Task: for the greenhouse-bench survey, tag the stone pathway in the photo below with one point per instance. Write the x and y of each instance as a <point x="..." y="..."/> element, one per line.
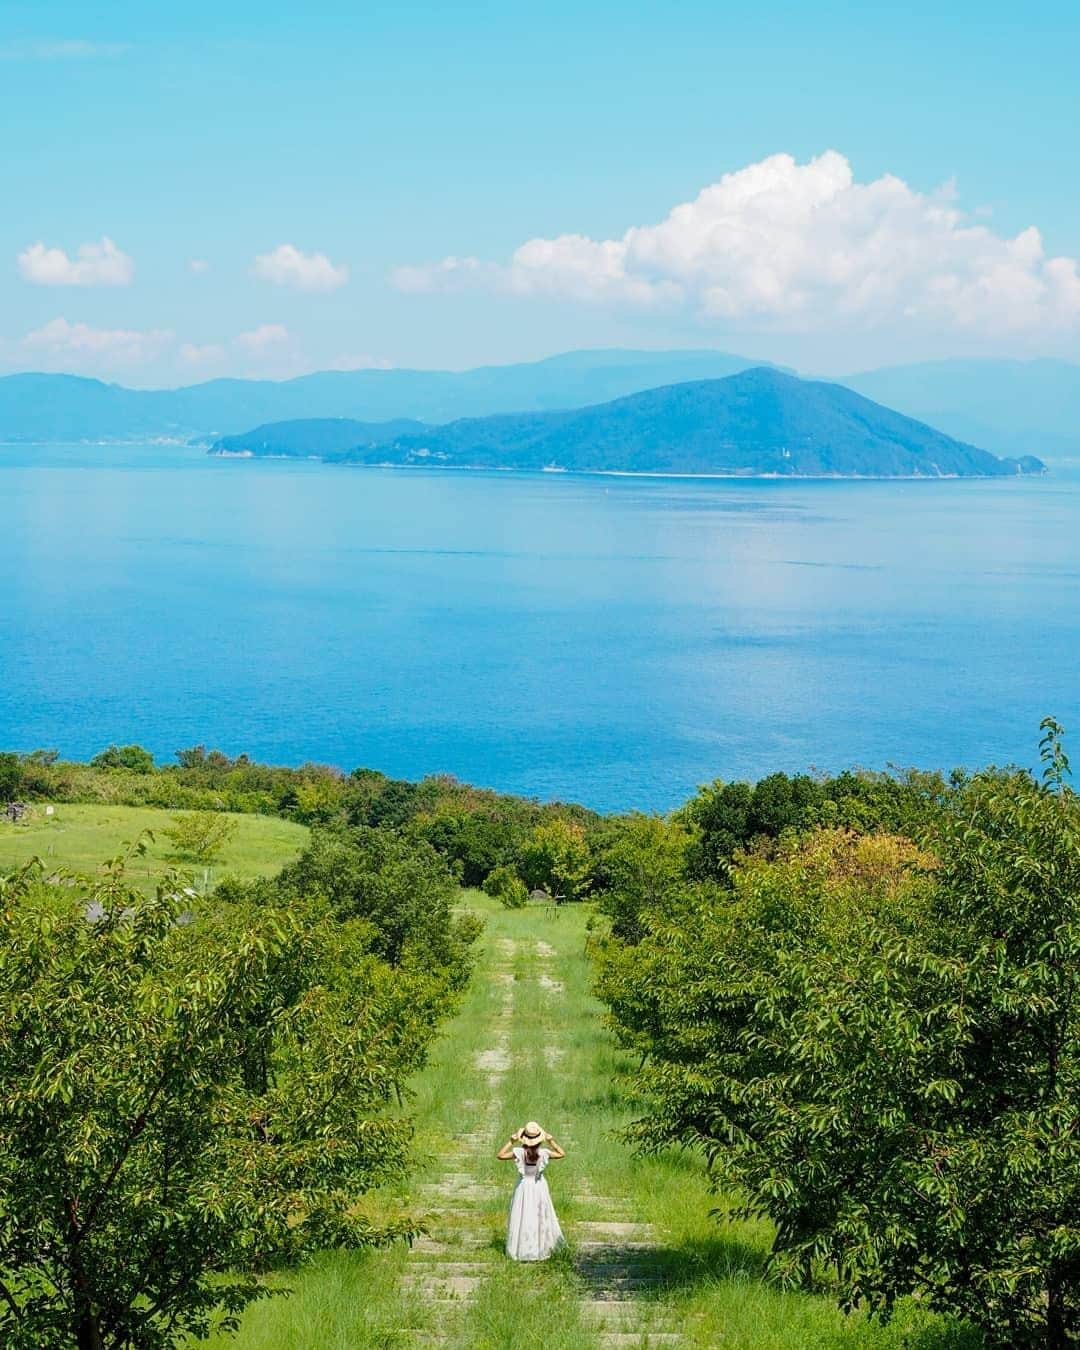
<point x="614" y="1258"/>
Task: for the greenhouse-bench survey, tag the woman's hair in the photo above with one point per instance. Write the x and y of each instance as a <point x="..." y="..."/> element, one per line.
<point x="532" y="1153"/>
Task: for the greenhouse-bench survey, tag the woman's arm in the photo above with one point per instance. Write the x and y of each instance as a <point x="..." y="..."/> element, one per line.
<point x="554" y="1149"/>
<point x="506" y="1153"/>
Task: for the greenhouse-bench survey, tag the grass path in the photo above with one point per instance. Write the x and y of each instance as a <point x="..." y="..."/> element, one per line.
<point x="646" y="1265"/>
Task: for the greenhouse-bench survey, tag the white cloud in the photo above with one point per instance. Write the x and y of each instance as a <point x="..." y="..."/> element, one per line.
<point x="784" y="247"/>
<point x="79" y="344"/>
<point x="198" y="266"/>
<point x="267" y="338"/>
<point x="100" y="264"/>
<point x="205" y="354"/>
<point x="287" y="266"/>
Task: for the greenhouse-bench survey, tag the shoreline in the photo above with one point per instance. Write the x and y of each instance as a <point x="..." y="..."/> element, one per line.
<point x="554" y="472"/>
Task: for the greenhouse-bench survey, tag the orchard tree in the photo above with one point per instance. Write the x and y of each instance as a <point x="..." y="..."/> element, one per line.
<point x="201" y="835"/>
<point x="184" y="1106"/>
<point x="555" y="857"/>
<point x="880" y="1050"/>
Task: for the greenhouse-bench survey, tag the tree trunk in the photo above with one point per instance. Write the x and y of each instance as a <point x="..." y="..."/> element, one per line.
<point x="90" y="1332"/>
<point x="88" y="1335"/>
<point x="1057" y="1337"/>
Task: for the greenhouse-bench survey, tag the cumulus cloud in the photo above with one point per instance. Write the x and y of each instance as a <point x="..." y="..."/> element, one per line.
<point x="204" y="354"/>
<point x="100" y="264"/>
<point x="268" y="337"/>
<point x="79" y="344"/>
<point x="286" y="265"/>
<point x="198" y="266"/>
<point x="782" y="246"/>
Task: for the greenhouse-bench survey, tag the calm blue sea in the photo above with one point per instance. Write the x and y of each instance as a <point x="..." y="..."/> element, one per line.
<point x="612" y="640"/>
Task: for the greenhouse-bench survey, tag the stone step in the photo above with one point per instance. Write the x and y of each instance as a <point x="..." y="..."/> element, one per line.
<point x="594" y="1250"/>
<point x="638" y="1340"/>
<point x="625" y="1315"/>
<point x="445" y="1269"/>
<point x="616" y="1290"/>
<point x="642" y="1269"/>
<point x="610" y="1230"/>
<point x="436" y="1246"/>
<point x="452" y="1288"/>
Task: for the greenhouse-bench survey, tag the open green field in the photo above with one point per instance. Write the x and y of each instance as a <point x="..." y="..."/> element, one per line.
<point x="646" y="1265"/>
<point x="82" y="837"/>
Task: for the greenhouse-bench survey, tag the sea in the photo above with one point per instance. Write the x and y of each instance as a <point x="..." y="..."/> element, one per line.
<point x="610" y="640"/>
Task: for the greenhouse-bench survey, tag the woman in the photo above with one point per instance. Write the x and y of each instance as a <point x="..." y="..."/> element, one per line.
<point x="533" y="1232"/>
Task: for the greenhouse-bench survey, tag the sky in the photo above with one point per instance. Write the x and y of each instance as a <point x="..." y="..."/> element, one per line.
<point x="263" y="189"/>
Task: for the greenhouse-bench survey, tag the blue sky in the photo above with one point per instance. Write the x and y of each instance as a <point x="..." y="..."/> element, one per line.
<point x="357" y="149"/>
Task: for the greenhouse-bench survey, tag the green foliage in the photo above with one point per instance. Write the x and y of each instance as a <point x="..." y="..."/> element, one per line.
<point x="186" y="1105"/>
<point x="201" y="835"/>
<point x="645" y="870"/>
<point x="131" y="757"/>
<point x="879" y="1049"/>
<point x="401" y="888"/>
<point x="555" y="857"/>
<point x="10" y="776"/>
<point x="728" y="817"/>
<point x="504" y="884"/>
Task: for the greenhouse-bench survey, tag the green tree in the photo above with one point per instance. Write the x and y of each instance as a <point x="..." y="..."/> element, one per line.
<point x="201" y="835"/>
<point x="11" y="775"/>
<point x="401" y="887"/>
<point x="645" y="868"/>
<point x="879" y="1049"/>
<point x="185" y="1106"/>
<point x="556" y="858"/>
<point x="131" y="757"/>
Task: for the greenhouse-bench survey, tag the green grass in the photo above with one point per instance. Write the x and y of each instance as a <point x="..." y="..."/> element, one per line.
<point x="563" y="1070"/>
<point x="81" y="838"/>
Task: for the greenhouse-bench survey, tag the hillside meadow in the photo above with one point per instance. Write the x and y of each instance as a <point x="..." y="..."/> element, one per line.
<point x="81" y="837"/>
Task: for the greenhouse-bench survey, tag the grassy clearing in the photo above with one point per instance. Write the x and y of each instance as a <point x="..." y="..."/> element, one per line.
<point x="81" y="837"/>
<point x="530" y="1043"/>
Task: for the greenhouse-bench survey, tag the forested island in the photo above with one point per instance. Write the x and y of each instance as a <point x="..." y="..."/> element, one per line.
<point x="1013" y="408"/>
<point x="759" y="422"/>
<point x="854" y="995"/>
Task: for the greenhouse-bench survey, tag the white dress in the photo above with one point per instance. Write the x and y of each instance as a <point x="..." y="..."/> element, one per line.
<point x="533" y="1232"/>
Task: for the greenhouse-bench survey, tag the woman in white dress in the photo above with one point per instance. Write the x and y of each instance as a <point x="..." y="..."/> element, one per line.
<point x="533" y="1232"/>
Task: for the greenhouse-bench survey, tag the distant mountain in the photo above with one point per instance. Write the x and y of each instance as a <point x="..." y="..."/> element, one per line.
<point x="760" y="421"/>
<point x="1012" y="407"/>
<point x="314" y="437"/>
<point x="67" y="407"/>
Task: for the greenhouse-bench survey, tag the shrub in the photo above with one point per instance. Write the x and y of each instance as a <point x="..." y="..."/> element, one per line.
<point x="504" y="884"/>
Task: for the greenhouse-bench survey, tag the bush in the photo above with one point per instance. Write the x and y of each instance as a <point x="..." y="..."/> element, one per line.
<point x="504" y="884"/>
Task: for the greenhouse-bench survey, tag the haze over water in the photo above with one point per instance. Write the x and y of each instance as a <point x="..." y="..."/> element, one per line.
<point x="611" y="640"/>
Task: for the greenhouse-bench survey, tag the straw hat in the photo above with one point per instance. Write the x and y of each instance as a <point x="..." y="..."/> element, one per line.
<point x="531" y="1134"/>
